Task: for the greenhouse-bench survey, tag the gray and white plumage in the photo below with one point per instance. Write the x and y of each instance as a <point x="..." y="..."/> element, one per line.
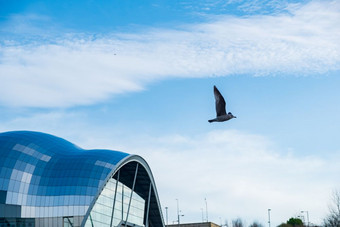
<point x="221" y="113"/>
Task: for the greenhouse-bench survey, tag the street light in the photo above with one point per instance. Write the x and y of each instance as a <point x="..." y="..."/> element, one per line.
<point x="269" y="217"/>
<point x="307" y="216"/>
<point x="206" y="207"/>
<point x="178" y="214"/>
<point x="166" y="212"/>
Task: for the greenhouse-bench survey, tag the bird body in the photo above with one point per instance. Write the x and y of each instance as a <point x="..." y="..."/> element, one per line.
<point x="221" y="114"/>
<point x="222" y="118"/>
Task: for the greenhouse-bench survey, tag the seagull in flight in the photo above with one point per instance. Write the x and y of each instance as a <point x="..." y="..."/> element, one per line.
<point x="221" y="114"/>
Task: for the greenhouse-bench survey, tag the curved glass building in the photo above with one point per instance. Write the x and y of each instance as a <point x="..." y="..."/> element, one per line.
<point x="48" y="181"/>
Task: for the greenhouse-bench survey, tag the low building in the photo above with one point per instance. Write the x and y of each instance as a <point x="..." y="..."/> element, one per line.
<point x="46" y="181"/>
<point x="200" y="224"/>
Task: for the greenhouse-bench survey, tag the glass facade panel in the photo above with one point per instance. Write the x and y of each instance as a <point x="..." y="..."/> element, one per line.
<point x="22" y="222"/>
<point x="101" y="213"/>
<point x="68" y="222"/>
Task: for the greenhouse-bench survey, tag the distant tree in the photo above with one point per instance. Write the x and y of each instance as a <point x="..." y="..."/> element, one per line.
<point x="295" y="222"/>
<point x="226" y="224"/>
<point x="237" y="223"/>
<point x="285" y="225"/>
<point x="333" y="219"/>
<point x="256" y="224"/>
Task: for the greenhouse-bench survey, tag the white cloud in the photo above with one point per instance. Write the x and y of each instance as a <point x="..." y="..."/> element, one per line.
<point x="80" y="71"/>
<point x="58" y="123"/>
<point x="240" y="174"/>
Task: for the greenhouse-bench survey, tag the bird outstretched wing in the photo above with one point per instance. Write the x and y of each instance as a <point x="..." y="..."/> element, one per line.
<point x="220" y="103"/>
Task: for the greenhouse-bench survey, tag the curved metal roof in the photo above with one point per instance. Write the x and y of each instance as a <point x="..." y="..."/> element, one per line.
<point x="40" y="170"/>
<point x="127" y="168"/>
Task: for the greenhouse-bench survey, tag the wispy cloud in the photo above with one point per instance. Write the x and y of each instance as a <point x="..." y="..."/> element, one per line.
<point x="243" y="7"/>
<point x="82" y="71"/>
<point x="27" y="24"/>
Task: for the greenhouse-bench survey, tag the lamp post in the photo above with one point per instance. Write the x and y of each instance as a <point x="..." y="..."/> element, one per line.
<point x="206" y="208"/>
<point x="269" y="217"/>
<point x="178" y="214"/>
<point x="166" y="212"/>
<point x="307" y="216"/>
<point x="181" y="215"/>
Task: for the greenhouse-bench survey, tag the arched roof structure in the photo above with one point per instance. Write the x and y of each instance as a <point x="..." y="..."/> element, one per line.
<point x="45" y="177"/>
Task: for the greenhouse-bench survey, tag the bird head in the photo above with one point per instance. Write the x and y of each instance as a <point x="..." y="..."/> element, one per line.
<point x="232" y="116"/>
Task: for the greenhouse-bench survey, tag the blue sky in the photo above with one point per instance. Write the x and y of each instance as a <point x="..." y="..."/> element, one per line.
<point x="138" y="76"/>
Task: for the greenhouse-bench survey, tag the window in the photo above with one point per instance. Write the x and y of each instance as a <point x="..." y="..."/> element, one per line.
<point x="68" y="222"/>
<point x="22" y="222"/>
<point x="101" y="213"/>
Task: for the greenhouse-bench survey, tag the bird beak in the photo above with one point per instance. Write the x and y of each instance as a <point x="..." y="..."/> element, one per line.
<point x="235" y="117"/>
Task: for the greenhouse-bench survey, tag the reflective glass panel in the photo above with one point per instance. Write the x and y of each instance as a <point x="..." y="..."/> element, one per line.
<point x="102" y="213"/>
